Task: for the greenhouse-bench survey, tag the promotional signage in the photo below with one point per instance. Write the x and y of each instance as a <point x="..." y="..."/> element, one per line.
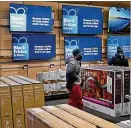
<point x="31" y="18"/>
<point x="33" y="47"/>
<point x="82" y="20"/>
<point x="114" y="41"/>
<point x="119" y="20"/>
<point x="91" y="47"/>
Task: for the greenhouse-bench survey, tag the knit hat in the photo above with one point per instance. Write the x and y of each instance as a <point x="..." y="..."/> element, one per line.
<point x="76" y="52"/>
<point x="119" y="49"/>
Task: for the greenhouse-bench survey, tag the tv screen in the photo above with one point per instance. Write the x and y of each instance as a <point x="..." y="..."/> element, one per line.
<point x="81" y="20"/>
<point x="91" y="47"/>
<point x="30" y="18"/>
<point x="33" y="46"/>
<point x="114" y="41"/>
<point x="119" y="20"/>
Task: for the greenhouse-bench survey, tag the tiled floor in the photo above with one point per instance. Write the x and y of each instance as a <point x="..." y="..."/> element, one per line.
<point x="101" y="115"/>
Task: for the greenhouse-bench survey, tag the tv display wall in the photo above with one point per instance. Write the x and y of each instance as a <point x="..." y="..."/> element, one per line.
<point x="119" y="20"/>
<point x="91" y="47"/>
<point x="30" y="18"/>
<point x="114" y="41"/>
<point x="33" y="46"/>
<point x="82" y="20"/>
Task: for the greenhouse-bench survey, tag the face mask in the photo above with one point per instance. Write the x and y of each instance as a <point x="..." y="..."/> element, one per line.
<point x="79" y="58"/>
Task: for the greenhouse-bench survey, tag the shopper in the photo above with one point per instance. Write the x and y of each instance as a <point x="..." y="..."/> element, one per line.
<point x="73" y="76"/>
<point x="119" y="59"/>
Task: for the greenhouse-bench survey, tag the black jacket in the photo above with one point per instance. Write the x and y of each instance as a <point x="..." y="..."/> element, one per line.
<point x="119" y="60"/>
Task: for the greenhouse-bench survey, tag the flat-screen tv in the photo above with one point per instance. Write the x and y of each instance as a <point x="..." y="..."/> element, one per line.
<point x="114" y="41"/>
<point x="31" y="18"/>
<point x="91" y="47"/>
<point x="119" y="20"/>
<point x="82" y="20"/>
<point x="33" y="46"/>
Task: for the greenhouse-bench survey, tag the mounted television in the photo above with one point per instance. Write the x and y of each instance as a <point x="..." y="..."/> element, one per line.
<point x="119" y="20"/>
<point x="91" y="47"/>
<point x="31" y="18"/>
<point x="33" y="46"/>
<point x="81" y="20"/>
<point x="114" y="41"/>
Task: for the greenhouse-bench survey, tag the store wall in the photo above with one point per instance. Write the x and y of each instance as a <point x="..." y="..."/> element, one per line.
<point x="7" y="67"/>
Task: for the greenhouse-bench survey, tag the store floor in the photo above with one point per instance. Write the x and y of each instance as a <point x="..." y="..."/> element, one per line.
<point x="98" y="114"/>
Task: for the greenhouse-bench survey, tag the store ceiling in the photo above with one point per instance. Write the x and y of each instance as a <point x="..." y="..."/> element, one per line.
<point x="102" y="3"/>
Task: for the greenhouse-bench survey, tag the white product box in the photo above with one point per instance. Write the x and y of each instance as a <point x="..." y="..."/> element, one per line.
<point x="62" y="86"/>
<point x="40" y="76"/>
<point x="61" y="75"/>
<point x="107" y="98"/>
<point x="103" y="109"/>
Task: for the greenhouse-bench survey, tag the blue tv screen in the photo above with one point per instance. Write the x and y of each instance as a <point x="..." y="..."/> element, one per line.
<point x="31" y="18"/>
<point x="91" y="47"/>
<point x="119" y="20"/>
<point x="82" y="20"/>
<point x="114" y="41"/>
<point x="33" y="46"/>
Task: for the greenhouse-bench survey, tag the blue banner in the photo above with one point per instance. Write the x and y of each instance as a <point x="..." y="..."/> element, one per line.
<point x="31" y="18"/>
<point x="91" y="47"/>
<point x="82" y="20"/>
<point x="33" y="47"/>
<point x="119" y="20"/>
<point x="114" y="41"/>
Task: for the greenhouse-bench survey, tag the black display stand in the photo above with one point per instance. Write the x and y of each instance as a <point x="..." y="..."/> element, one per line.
<point x="56" y="96"/>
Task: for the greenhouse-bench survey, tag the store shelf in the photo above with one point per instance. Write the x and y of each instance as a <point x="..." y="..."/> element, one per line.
<point x="56" y="96"/>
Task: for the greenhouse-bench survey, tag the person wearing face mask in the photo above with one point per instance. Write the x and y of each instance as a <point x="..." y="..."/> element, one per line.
<point x="119" y="59"/>
<point x="73" y="77"/>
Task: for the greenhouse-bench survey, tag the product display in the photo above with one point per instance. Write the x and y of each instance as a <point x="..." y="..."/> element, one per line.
<point x="38" y="90"/>
<point x="64" y="116"/>
<point x="87" y="117"/>
<point x="17" y="102"/>
<point x="5" y="106"/>
<point x="36" y="44"/>
<point x="24" y="93"/>
<point x="54" y="81"/>
<point x="105" y="89"/>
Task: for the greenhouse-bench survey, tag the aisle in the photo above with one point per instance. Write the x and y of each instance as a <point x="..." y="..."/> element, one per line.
<point x="101" y="115"/>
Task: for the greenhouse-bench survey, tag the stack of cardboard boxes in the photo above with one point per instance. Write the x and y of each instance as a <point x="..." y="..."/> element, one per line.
<point x="54" y="81"/>
<point x="64" y="116"/>
<point x="20" y="93"/>
<point x="5" y="106"/>
<point x="104" y="89"/>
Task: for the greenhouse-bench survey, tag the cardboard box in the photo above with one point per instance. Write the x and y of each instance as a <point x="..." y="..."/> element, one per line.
<point x="87" y="117"/>
<point x="61" y="75"/>
<point x="0" y="122"/>
<point x="7" y="122"/>
<point x="62" y="87"/>
<point x="40" y="76"/>
<point x="39" y="118"/>
<point x="28" y="93"/>
<point x="17" y="102"/>
<point x="67" y="117"/>
<point x="103" y="86"/>
<point x="38" y="91"/>
<point x="5" y="105"/>
<point x="125" y="87"/>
